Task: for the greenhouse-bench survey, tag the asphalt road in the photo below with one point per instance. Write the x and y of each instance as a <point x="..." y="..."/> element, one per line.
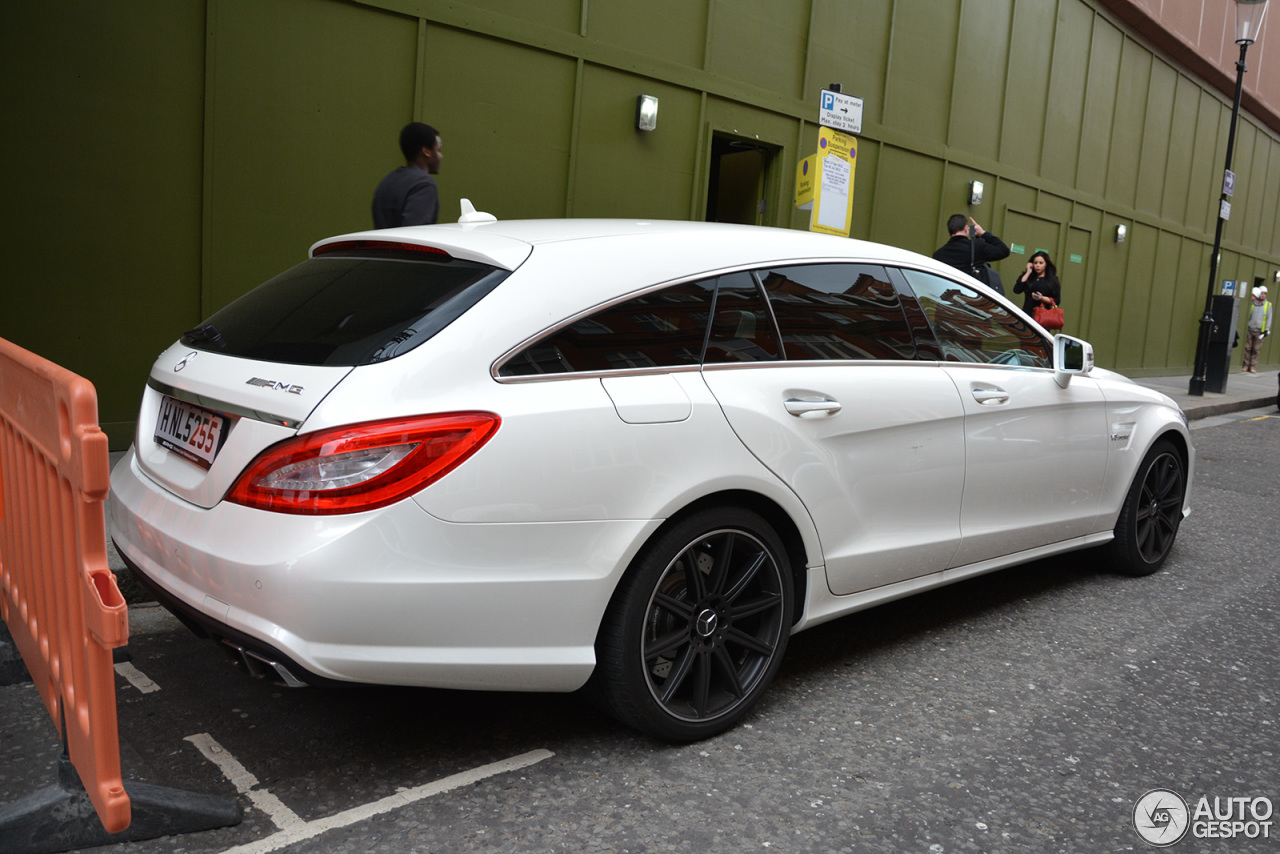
<point x="1027" y="710"/>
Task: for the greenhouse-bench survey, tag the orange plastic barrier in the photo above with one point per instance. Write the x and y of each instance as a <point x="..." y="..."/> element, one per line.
<point x="57" y="595"/>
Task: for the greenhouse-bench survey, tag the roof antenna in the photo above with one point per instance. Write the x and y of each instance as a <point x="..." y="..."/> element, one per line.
<point x="470" y="215"/>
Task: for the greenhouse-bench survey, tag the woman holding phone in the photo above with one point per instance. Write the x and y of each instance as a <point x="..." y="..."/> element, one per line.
<point x="1039" y="283"/>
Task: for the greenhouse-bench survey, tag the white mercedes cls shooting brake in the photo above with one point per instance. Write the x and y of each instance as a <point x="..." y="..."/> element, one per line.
<point x="630" y="457"/>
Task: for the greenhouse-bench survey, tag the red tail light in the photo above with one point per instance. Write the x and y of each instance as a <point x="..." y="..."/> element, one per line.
<point x="361" y="466"/>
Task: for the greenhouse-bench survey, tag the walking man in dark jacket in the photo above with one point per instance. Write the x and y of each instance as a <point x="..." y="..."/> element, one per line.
<point x="408" y="195"/>
<point x="972" y="253"/>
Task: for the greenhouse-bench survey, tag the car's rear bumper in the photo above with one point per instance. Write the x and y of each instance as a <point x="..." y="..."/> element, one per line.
<point x="394" y="596"/>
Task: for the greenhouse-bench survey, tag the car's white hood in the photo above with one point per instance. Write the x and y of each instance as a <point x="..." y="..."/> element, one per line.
<point x="262" y="402"/>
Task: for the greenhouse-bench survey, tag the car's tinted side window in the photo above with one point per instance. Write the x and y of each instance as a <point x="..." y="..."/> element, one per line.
<point x="743" y="330"/>
<point x="664" y="328"/>
<point x="838" y="311"/>
<point x="972" y="327"/>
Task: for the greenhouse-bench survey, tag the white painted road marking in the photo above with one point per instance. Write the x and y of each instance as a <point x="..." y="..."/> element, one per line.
<point x="245" y="782"/>
<point x="294" y="829"/>
<point x="136" y="677"/>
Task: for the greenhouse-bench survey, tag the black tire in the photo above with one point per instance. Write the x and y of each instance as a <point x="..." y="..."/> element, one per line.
<point x="1152" y="511"/>
<point x="697" y="628"/>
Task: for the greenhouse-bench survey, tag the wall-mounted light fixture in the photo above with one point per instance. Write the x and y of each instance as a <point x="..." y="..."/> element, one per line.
<point x="975" y="192"/>
<point x="1121" y="233"/>
<point x="1278" y="277"/>
<point x="646" y="112"/>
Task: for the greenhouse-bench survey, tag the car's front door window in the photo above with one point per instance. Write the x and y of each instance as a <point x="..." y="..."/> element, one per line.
<point x="973" y="327"/>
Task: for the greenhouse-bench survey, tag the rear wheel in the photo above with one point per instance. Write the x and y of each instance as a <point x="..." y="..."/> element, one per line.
<point x="698" y="627"/>
<point x="1151" y="514"/>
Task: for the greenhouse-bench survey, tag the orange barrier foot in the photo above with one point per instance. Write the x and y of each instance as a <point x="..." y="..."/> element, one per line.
<point x="62" y="818"/>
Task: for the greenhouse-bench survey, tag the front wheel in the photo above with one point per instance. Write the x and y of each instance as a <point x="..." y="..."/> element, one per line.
<point x="1151" y="514"/>
<point x="697" y="628"/>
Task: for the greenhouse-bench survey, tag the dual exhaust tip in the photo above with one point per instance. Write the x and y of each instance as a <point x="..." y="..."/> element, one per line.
<point x="259" y="666"/>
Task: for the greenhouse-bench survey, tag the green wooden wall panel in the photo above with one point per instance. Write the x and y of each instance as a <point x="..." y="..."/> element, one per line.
<point x="673" y="30"/>
<point x="1161" y="320"/>
<point x="922" y="62"/>
<point x="565" y="15"/>
<point x="1186" y="106"/>
<point x="1016" y="196"/>
<point x="1128" y="123"/>
<point x="623" y="172"/>
<point x="1075" y="267"/>
<point x="761" y="42"/>
<point x="1054" y="207"/>
<point x="865" y="190"/>
<point x="1257" y="226"/>
<point x="1157" y="139"/>
<point x="905" y="211"/>
<point x="100" y="220"/>
<point x="1064" y="110"/>
<point x="298" y="136"/>
<point x="1136" y="297"/>
<point x="1269" y="233"/>
<point x="507" y="124"/>
<point x="1030" y="57"/>
<point x="1089" y="224"/>
<point x="1099" y="108"/>
<point x="1205" y="181"/>
<point x="1248" y="161"/>
<point x="849" y="45"/>
<point x="982" y="63"/>
<point x="1110" y="281"/>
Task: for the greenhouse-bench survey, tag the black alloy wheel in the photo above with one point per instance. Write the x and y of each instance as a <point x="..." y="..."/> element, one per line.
<point x="698" y="627"/>
<point x="1152" y="511"/>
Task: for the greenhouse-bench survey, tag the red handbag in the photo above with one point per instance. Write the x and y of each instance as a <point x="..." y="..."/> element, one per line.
<point x="1049" y="318"/>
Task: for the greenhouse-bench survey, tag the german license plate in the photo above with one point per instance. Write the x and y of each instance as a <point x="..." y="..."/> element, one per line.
<point x="190" y="431"/>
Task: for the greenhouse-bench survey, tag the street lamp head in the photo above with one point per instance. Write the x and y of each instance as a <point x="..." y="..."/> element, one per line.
<point x="1249" y="15"/>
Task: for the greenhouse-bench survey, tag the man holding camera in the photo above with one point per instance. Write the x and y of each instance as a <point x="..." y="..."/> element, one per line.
<point x="971" y="248"/>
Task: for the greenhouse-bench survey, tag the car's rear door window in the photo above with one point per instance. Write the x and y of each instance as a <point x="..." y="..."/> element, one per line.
<point x="838" y="311"/>
<point x="347" y="309"/>
<point x="970" y="326"/>
<point x="742" y="331"/>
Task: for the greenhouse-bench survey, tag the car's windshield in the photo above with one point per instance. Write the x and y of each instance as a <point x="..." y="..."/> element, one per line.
<point x="345" y="310"/>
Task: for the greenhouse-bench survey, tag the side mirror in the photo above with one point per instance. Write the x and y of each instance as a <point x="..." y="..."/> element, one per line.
<point x="1070" y="356"/>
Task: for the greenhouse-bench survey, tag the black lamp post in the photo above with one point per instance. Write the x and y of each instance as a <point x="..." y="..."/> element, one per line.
<point x="1249" y="14"/>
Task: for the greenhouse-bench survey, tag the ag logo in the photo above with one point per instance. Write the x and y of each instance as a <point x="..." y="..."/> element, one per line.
<point x="1161" y="817"/>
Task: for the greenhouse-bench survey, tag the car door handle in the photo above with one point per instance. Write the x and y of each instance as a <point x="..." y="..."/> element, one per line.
<point x="812" y="407"/>
<point x="990" y="396"/>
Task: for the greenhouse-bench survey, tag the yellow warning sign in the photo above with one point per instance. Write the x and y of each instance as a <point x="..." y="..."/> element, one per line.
<point x="833" y="182"/>
<point x="804" y="182"/>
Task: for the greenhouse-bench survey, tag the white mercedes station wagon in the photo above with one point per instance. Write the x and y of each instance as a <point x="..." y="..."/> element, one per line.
<point x="630" y="457"/>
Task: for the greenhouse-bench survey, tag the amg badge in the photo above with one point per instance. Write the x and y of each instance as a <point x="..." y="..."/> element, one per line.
<point x="275" y="385"/>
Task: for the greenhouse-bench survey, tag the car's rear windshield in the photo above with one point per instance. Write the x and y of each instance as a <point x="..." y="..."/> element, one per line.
<point x="347" y="308"/>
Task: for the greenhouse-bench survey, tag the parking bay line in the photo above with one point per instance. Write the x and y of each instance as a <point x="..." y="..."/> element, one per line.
<point x="136" y="677"/>
<point x="294" y="829"/>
